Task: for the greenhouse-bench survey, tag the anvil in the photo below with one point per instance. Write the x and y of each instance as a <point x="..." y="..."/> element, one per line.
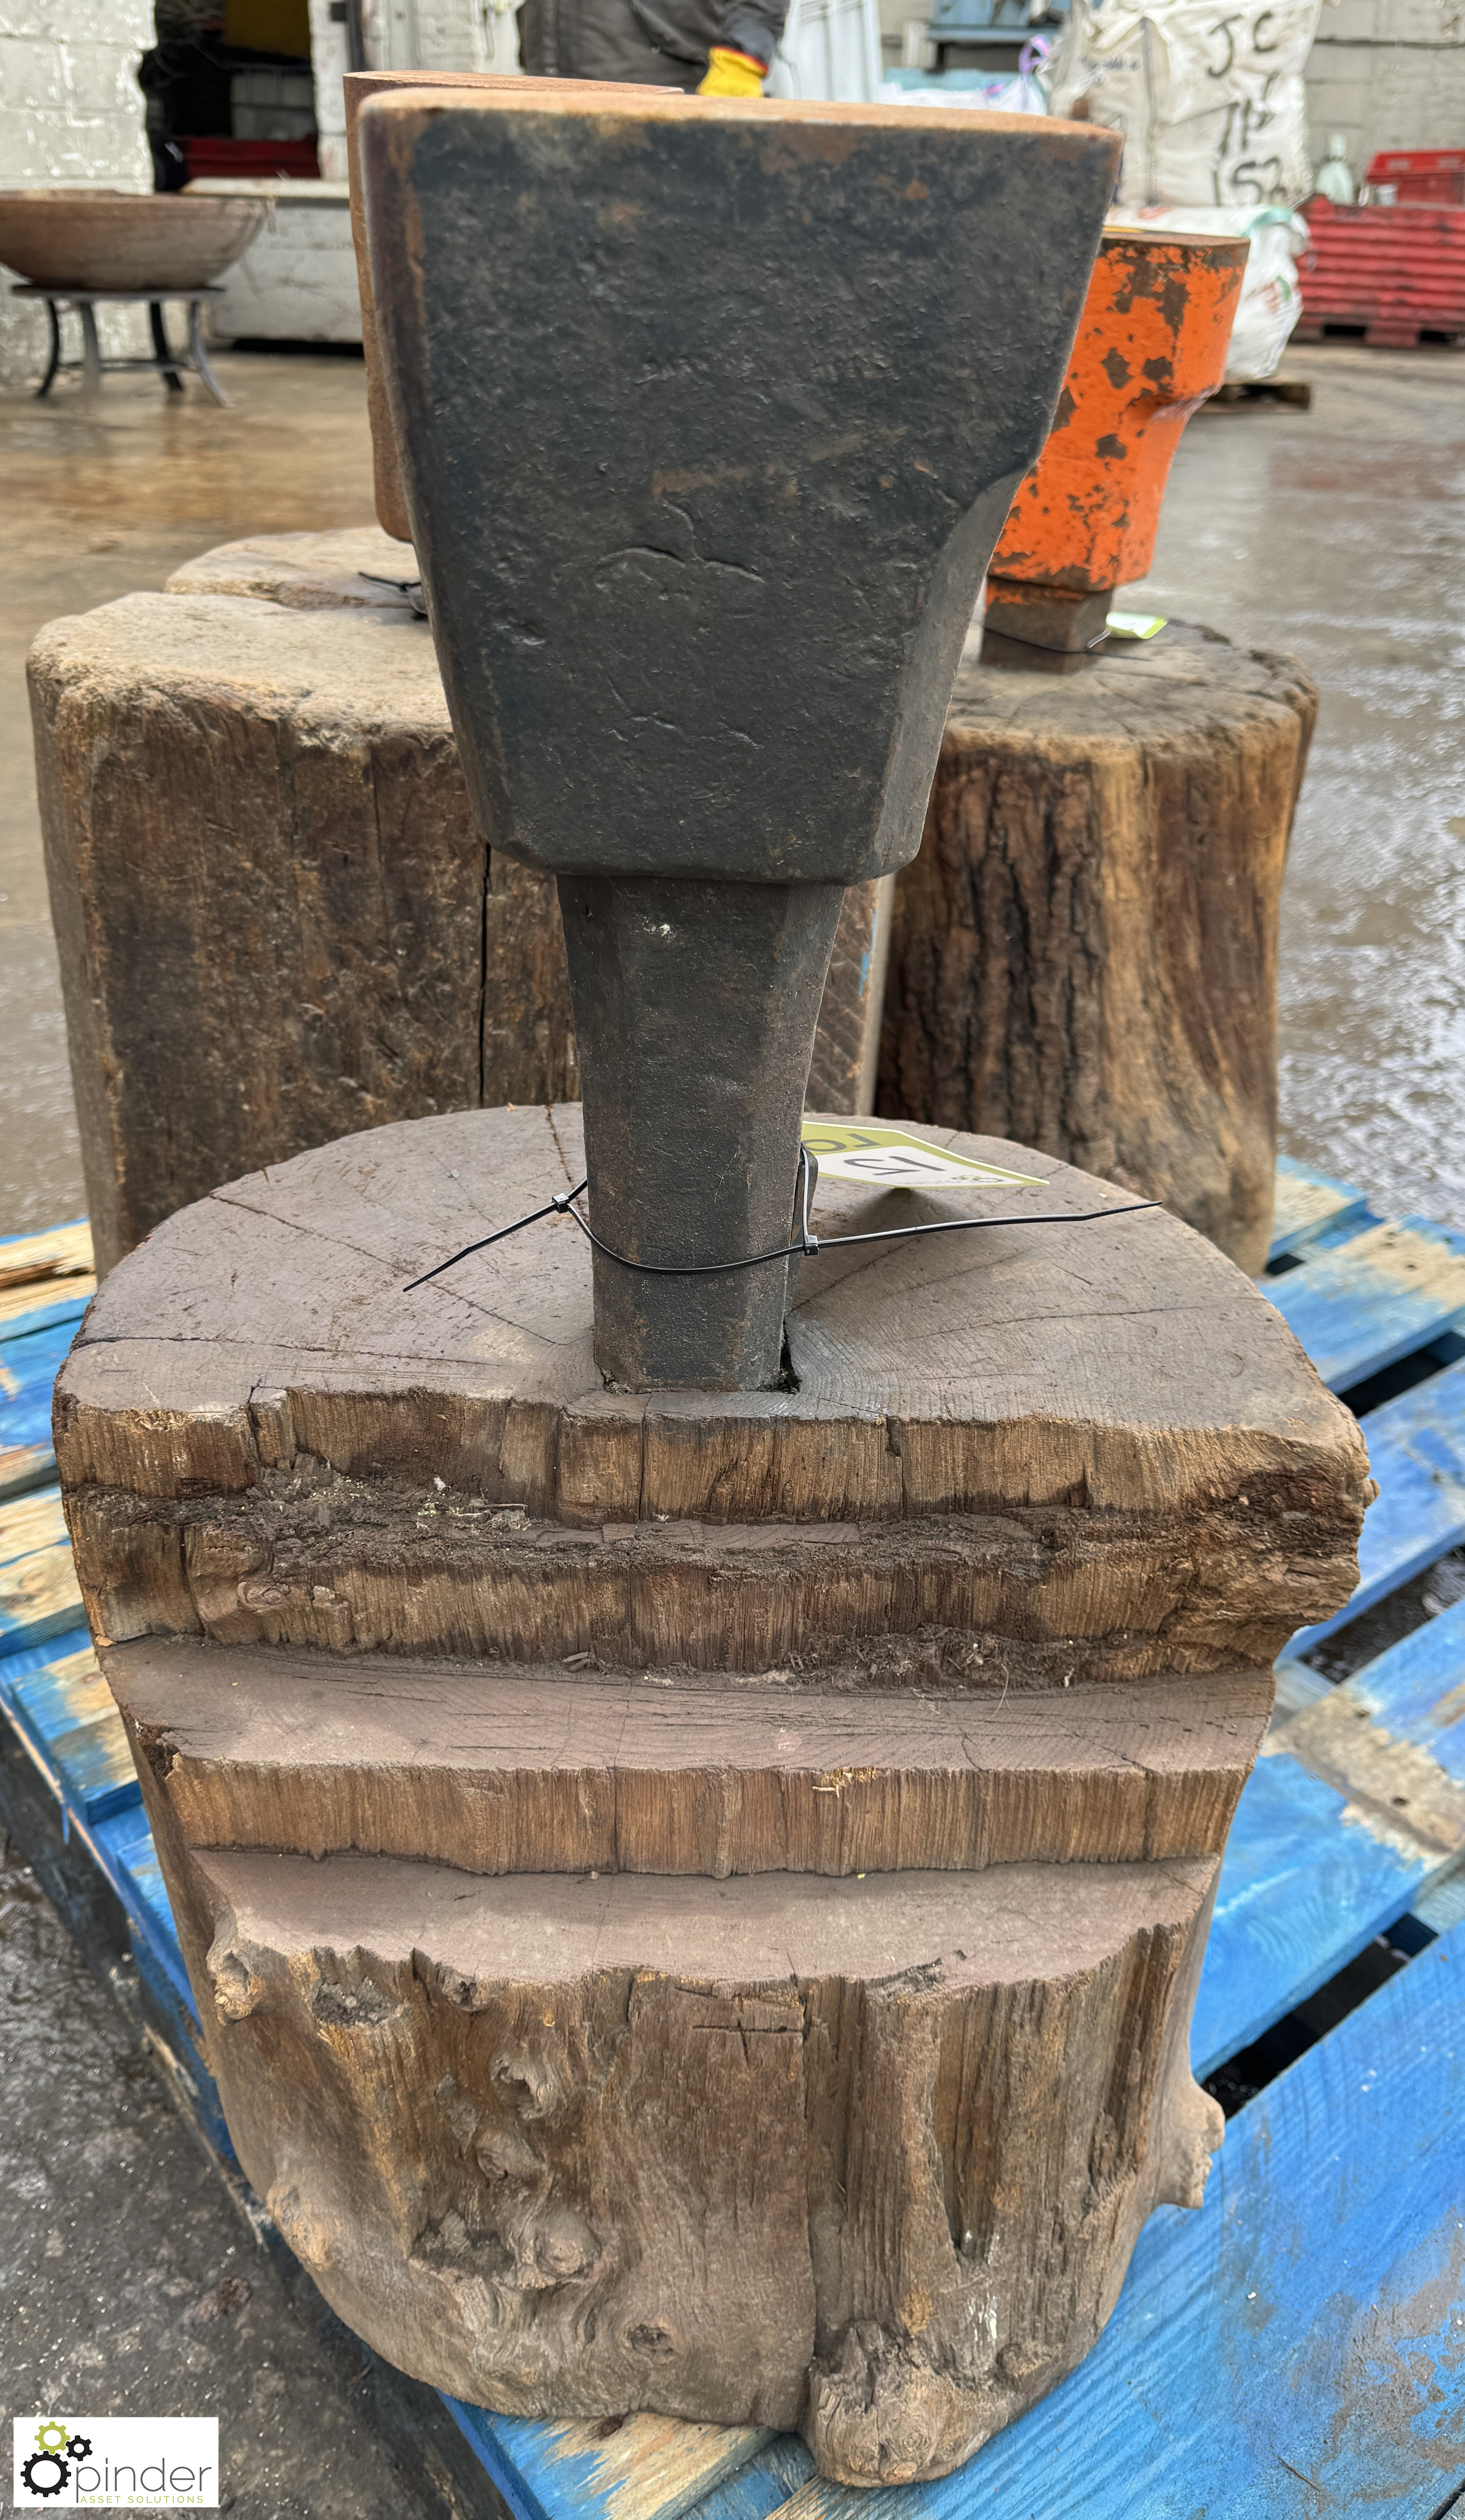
<point x="703" y="466"/>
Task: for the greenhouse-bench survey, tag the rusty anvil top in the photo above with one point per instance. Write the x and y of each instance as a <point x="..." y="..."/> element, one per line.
<point x="711" y="411"/>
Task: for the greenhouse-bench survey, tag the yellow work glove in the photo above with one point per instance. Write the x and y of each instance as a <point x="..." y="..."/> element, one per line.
<point x="733" y="74"/>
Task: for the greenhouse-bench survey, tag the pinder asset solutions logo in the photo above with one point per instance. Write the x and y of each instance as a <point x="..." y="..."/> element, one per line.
<point x="117" y="2462"/>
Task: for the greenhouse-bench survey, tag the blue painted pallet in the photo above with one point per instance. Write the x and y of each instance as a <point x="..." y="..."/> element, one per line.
<point x="38" y="1593"/>
<point x="28" y="1367"/>
<point x="1368" y="1295"/>
<point x="1416" y="1451"/>
<point x="66" y="1715"/>
<point x="1376" y="1297"/>
<point x="1356" y="1807"/>
<point x="1211" y="2392"/>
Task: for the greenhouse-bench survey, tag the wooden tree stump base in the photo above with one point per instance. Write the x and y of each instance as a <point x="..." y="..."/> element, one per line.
<point x="751" y="2151"/>
<point x="695" y="1899"/>
<point x="276" y="921"/>
<point x="1084" y="952"/>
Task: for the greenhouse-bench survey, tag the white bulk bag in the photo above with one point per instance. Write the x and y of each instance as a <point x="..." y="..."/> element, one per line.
<point x="1209" y="100"/>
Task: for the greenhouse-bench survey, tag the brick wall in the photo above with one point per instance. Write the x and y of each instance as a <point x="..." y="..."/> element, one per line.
<point x="70" y="113"/>
<point x="1388" y="75"/>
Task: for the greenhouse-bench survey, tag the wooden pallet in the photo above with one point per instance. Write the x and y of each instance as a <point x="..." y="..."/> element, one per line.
<point x="1298" y="2347"/>
<point x="1444" y="333"/>
<point x="1243" y="392"/>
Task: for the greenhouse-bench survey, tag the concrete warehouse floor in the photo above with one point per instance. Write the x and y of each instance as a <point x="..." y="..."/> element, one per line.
<point x="1335" y="534"/>
<point x="129" y="2284"/>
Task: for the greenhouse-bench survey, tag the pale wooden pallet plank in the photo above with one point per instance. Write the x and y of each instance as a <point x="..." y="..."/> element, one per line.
<point x="1308" y="1203"/>
<point x="65" y="1711"/>
<point x="45" y="1278"/>
<point x="38" y="1591"/>
<point x="28" y="1367"/>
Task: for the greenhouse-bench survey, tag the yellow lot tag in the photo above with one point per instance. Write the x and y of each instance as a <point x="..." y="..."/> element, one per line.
<point x="859" y="1151"/>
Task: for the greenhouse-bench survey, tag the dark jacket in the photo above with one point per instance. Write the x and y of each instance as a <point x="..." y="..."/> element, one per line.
<point x="655" y="43"/>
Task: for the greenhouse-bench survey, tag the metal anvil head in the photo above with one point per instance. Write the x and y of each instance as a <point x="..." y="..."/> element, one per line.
<point x="1151" y="346"/>
<point x="709" y="414"/>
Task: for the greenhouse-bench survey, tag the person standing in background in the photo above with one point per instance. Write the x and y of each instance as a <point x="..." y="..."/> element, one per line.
<point x="705" y="47"/>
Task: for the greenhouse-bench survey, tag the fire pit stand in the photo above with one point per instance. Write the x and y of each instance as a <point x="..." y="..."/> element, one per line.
<point x="172" y="366"/>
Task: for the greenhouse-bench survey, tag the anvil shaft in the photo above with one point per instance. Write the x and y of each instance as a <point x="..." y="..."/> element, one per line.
<point x="695" y="1010"/>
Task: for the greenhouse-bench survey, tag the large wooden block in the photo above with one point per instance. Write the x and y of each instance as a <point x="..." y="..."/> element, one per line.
<point x="270" y="899"/>
<point x="1084" y="951"/>
<point x="614" y="1561"/>
<point x="695" y="1899"/>
<point x="276" y="921"/>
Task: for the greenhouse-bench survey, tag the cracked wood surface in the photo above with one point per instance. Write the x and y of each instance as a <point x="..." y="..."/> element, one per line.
<point x="1083" y="953"/>
<point x="507" y="1769"/>
<point x="357" y="566"/>
<point x="1096" y="1442"/>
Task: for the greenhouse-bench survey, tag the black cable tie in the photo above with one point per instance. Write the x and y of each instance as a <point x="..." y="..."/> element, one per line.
<point x="562" y="1203"/>
<point x="558" y="1204"/>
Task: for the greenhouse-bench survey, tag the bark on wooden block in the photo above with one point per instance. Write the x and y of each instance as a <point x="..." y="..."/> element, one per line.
<point x="275" y="919"/>
<point x="274" y="916"/>
<point x="1084" y="951"/>
<point x="696" y="1899"/>
<point x="479" y="2110"/>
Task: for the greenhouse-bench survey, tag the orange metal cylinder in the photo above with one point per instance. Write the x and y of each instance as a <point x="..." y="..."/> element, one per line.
<point x="1151" y="346"/>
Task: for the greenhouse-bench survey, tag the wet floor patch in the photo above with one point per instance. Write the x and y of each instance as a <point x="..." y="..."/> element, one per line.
<point x="1338" y="534"/>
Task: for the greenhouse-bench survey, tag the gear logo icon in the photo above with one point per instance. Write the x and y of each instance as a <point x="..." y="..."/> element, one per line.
<point x="46" y="2471"/>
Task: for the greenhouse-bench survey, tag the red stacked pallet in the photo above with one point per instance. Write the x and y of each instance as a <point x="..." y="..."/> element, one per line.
<point x="1391" y="276"/>
<point x="1419" y="175"/>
